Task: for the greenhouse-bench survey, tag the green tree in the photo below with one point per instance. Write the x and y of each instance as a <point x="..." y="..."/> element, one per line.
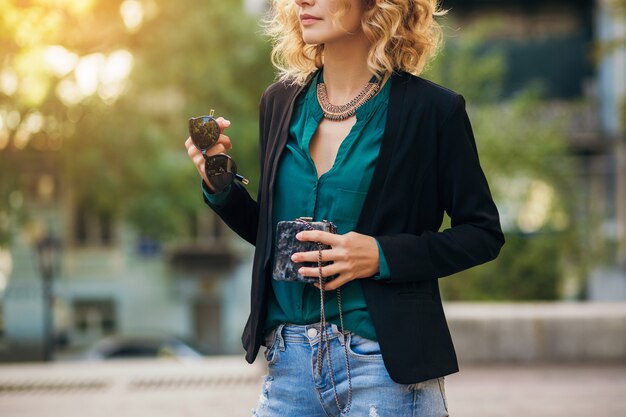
<point x="192" y="57"/>
<point x="119" y="146"/>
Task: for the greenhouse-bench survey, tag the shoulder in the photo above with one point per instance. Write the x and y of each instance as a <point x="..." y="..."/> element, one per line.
<point x="423" y="94"/>
<point x="280" y="93"/>
<point x="273" y="104"/>
<point x="278" y="89"/>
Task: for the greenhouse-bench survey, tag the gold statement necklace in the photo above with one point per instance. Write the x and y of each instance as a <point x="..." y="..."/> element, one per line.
<point x="344" y="111"/>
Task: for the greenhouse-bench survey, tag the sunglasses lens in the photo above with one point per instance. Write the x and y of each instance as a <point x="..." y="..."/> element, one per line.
<point x="220" y="169"/>
<point x="204" y="131"/>
<point x="221" y="181"/>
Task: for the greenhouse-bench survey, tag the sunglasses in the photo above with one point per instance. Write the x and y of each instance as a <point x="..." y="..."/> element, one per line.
<point x="220" y="168"/>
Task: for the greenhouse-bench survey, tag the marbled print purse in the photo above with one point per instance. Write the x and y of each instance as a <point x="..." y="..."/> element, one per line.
<point x="286" y="245"/>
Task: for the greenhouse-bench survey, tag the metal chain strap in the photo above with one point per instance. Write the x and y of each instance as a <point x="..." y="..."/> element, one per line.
<point x="324" y="333"/>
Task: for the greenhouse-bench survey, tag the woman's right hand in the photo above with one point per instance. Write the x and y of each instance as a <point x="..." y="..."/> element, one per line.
<point x="221" y="146"/>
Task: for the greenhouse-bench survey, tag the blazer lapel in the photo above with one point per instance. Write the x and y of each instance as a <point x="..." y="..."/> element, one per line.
<point x="289" y="98"/>
<point x="380" y="178"/>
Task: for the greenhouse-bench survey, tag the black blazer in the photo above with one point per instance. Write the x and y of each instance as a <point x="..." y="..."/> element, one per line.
<point x="428" y="163"/>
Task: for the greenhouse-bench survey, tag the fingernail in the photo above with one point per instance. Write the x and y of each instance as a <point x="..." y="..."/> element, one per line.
<point x="293" y="257"/>
<point x="299" y="235"/>
<point x="227" y="121"/>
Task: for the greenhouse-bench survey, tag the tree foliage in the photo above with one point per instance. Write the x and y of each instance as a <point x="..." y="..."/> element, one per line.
<point x="119" y="146"/>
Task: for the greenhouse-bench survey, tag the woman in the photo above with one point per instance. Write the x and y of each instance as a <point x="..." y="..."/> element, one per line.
<point x="383" y="167"/>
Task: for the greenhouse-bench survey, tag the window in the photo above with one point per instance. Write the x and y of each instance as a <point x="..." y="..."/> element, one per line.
<point x="92" y="228"/>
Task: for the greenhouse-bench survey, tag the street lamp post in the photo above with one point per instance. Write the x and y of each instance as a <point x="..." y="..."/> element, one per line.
<point x="48" y="249"/>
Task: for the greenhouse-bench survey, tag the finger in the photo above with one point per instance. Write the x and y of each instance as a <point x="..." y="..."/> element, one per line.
<point x="198" y="161"/>
<point x="334" y="284"/>
<point x="327" y="271"/>
<point x="225" y="140"/>
<point x="188" y="143"/>
<point x="191" y="148"/>
<point x="223" y="123"/>
<point x="215" y="149"/>
<point x="202" y="170"/>
<point x="319" y="236"/>
<point x="313" y="256"/>
<point x="192" y="151"/>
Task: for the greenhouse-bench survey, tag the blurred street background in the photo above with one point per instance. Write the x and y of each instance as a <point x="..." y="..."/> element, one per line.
<point x="121" y="293"/>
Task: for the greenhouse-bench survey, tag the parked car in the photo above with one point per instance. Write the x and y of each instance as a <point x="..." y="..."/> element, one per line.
<point x="141" y="346"/>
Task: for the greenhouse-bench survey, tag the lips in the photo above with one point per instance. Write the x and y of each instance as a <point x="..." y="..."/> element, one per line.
<point x="307" y="18"/>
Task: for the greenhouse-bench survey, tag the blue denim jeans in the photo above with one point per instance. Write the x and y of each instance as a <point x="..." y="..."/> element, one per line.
<point x="293" y="387"/>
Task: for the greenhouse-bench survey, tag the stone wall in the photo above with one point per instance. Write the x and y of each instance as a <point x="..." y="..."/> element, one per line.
<point x="538" y="332"/>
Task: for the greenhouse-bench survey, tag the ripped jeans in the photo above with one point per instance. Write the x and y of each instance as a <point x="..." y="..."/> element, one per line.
<point x="293" y="387"/>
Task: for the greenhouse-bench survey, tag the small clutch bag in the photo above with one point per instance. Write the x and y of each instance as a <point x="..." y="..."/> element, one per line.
<point x="286" y="245"/>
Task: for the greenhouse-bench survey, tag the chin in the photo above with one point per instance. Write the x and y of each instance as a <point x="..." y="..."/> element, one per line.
<point x="309" y="41"/>
<point x="312" y="39"/>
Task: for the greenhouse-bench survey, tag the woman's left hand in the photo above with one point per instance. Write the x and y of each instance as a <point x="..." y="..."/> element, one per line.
<point x="354" y="256"/>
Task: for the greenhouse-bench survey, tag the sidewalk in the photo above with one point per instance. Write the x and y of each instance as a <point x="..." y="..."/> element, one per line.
<point x="537" y="391"/>
<point x="229" y="387"/>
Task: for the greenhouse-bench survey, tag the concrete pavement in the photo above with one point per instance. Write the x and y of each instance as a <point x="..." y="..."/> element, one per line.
<point x="537" y="390"/>
<point x="229" y="387"/>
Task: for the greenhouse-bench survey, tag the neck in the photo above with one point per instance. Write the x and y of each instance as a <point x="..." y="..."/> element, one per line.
<point x="345" y="67"/>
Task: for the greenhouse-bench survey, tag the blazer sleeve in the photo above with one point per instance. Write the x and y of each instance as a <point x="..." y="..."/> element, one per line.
<point x="234" y="205"/>
<point x="239" y="211"/>
<point x="475" y="235"/>
<point x="215" y="198"/>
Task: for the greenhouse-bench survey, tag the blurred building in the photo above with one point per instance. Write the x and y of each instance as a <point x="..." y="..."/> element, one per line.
<point x="107" y="279"/>
<point x="610" y="162"/>
<point x="559" y="44"/>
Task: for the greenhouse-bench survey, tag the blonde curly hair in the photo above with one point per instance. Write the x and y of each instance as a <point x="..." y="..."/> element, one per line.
<point x="404" y="36"/>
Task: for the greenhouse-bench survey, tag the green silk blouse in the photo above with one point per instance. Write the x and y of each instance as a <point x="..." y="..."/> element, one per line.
<point x="337" y="195"/>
